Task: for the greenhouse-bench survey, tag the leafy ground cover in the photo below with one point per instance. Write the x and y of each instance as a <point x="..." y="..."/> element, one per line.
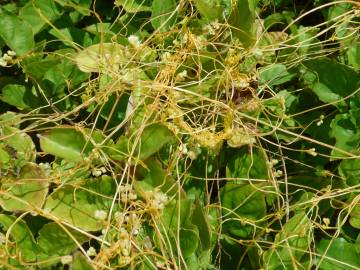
<point x="179" y="134"/>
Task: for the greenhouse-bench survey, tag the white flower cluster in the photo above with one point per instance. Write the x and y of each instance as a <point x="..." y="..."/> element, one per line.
<point x="212" y="27"/>
<point x="7" y="58"/>
<point x="131" y="221"/>
<point x="181" y="76"/>
<point x="91" y="252"/>
<point x="98" y="171"/>
<point x="134" y="41"/>
<point x="125" y="242"/>
<point x="157" y="200"/>
<point x="127" y="193"/>
<point x="100" y="214"/>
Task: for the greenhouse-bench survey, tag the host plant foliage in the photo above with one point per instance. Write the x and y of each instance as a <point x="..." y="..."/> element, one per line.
<point x="179" y="134"/>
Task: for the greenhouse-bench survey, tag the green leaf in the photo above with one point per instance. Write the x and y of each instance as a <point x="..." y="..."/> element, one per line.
<point x="80" y="207"/>
<point x="18" y="144"/>
<point x="353" y="55"/>
<point x="337" y="254"/>
<point x="242" y="204"/>
<point x="355" y="217"/>
<point x="200" y="220"/>
<point x="242" y="19"/>
<point x="26" y="193"/>
<point x="332" y="81"/>
<point x="4" y="157"/>
<point x="212" y="10"/>
<point x="245" y="164"/>
<point x="19" y="233"/>
<point x="18" y="96"/>
<point x="157" y="177"/>
<point x="176" y="221"/>
<point x="152" y="139"/>
<point x="163" y="14"/>
<point x="72" y="35"/>
<point x="350" y="170"/>
<point x="133" y="6"/>
<point x="290" y="245"/>
<point x="189" y="240"/>
<point x="100" y="56"/>
<point x="54" y="241"/>
<point x="66" y="142"/>
<point x="39" y="13"/>
<point x="16" y="33"/>
<point x="80" y="263"/>
<point x="275" y="74"/>
<point x="346" y="134"/>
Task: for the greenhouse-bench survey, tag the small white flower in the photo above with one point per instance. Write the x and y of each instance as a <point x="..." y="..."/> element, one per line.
<point x="11" y="53"/>
<point x="181" y="76"/>
<point x="66" y="259"/>
<point x="183" y="149"/>
<point x="274" y="161"/>
<point x="96" y="173"/>
<point x="3" y="63"/>
<point x="192" y="155"/>
<point x="100" y="214"/>
<point x="134" y="41"/>
<point x="278" y="173"/>
<point x="312" y="151"/>
<point x="7" y="57"/>
<point x="91" y="252"/>
<point x="132" y="196"/>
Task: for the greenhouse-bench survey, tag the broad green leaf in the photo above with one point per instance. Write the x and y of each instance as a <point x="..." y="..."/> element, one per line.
<point x="72" y="35"/>
<point x="26" y="193"/>
<point x="275" y="74"/>
<point x="355" y="216"/>
<point x="350" y="170"/>
<point x="36" y="67"/>
<point x="338" y="10"/>
<point x="242" y="21"/>
<point x="353" y="55"/>
<point x="332" y="81"/>
<point x="18" y="144"/>
<point x="100" y="57"/>
<point x="39" y="13"/>
<point x="67" y="143"/>
<point x="189" y="240"/>
<point x="200" y="220"/>
<point x="346" y="134"/>
<point x="152" y="139"/>
<point x="337" y="254"/>
<point x="163" y="14"/>
<point x="83" y="208"/>
<point x="80" y="262"/>
<point x="133" y="6"/>
<point x="17" y="95"/>
<point x="80" y="6"/>
<point x="157" y="177"/>
<point x="176" y="217"/>
<point x="16" y="33"/>
<point x="245" y="164"/>
<point x="25" y="245"/>
<point x="54" y="241"/>
<point x="4" y="157"/>
<point x="290" y="245"/>
<point x="62" y="76"/>
<point x="212" y="10"/>
<point x="242" y="204"/>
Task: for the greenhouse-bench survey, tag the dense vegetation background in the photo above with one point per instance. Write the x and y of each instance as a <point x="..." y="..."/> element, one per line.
<point x="179" y="134"/>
